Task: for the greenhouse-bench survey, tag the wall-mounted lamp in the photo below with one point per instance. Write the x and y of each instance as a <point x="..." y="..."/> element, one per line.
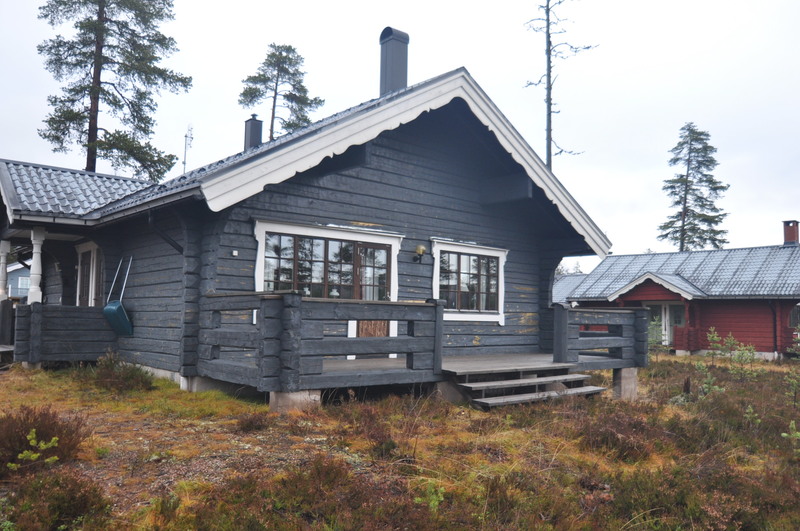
<point x="420" y="250"/>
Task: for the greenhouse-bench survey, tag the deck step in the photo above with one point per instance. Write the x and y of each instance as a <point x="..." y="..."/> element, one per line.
<point x="517" y="367"/>
<point x="524" y="382"/>
<point x="535" y="397"/>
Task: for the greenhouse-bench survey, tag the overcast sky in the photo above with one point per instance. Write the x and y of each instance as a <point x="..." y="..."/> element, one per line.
<point x="730" y="66"/>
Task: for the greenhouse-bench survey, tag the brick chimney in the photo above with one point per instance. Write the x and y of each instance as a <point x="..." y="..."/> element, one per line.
<point x="394" y="60"/>
<point x="790" y="233"/>
<point x="252" y="132"/>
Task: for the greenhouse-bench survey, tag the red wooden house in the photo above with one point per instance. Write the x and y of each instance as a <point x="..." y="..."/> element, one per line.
<point x="751" y="292"/>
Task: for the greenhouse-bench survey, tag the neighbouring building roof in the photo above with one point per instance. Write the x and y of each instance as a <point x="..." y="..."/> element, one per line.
<point x="29" y="190"/>
<point x="563" y="285"/>
<point x="755" y="272"/>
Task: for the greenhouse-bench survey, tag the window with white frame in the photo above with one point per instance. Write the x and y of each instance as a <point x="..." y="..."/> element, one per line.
<point x="470" y="279"/>
<point x="327" y="262"/>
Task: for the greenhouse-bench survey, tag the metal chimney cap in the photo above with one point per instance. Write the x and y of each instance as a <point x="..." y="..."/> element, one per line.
<point x="390" y="33"/>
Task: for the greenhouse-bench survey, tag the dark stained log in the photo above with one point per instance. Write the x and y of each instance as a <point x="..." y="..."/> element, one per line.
<point x="365" y="345"/>
<point x="291" y="343"/>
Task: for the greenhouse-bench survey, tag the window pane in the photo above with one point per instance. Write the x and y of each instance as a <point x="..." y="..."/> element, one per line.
<point x="346" y="253"/>
<point x="287" y="246"/>
<point x="273" y="245"/>
<point x="317" y="271"/>
<point x="380" y="257"/>
<point x="334" y="251"/>
<point x="347" y="274"/>
<point x="319" y="250"/>
<point x="286" y="271"/>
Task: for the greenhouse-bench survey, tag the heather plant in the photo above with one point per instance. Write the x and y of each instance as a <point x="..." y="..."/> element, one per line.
<point x="56" y="500"/>
<point x="31" y="437"/>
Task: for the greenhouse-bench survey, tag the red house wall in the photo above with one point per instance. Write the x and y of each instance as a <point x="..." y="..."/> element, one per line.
<point x="750" y="322"/>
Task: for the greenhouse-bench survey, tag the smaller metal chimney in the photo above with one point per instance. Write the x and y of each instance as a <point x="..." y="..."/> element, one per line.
<point x="394" y="60"/>
<point x="790" y="233"/>
<point x="252" y="132"/>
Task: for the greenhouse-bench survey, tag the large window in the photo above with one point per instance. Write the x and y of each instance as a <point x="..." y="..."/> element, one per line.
<point x="327" y="263"/>
<point x="326" y="268"/>
<point x="469" y="278"/>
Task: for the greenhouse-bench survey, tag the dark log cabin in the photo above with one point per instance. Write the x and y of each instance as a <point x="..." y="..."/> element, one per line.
<point x="412" y="228"/>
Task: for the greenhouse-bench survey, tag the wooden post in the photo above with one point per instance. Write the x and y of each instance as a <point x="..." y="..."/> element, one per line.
<point x="35" y="352"/>
<point x="5" y="248"/>
<point x="560" y="332"/>
<point x="35" y="290"/>
<point x="438" y="332"/>
<point x="640" y="340"/>
<point x="291" y="341"/>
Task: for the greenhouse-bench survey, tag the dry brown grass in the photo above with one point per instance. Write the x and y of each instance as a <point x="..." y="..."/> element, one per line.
<point x="168" y="459"/>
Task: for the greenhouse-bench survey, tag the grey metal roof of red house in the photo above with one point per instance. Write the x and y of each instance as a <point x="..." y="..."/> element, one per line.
<point x="754" y="272"/>
<point x="563" y="285"/>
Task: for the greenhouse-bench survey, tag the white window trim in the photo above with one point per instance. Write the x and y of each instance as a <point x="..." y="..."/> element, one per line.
<point x="438" y="245"/>
<point x="393" y="240"/>
<point x="80" y="249"/>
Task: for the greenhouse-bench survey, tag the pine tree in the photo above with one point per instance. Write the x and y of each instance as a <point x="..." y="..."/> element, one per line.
<point x="694" y="192"/>
<point x="111" y="68"/>
<point x="280" y="80"/>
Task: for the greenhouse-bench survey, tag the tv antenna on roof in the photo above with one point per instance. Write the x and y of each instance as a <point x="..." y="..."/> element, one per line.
<point x="187" y="143"/>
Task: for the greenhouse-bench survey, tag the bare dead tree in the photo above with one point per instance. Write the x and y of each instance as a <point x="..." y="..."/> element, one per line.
<point x="550" y="24"/>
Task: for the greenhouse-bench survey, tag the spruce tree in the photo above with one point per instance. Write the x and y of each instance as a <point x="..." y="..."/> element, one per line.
<point x="280" y="79"/>
<point x="111" y="70"/>
<point x="693" y="192"/>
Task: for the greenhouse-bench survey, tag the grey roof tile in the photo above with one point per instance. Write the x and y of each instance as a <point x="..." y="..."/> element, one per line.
<point x="65" y="193"/>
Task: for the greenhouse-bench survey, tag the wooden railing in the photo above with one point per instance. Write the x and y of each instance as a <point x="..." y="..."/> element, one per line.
<point x="613" y="333"/>
<point x="61" y="333"/>
<point x="288" y="343"/>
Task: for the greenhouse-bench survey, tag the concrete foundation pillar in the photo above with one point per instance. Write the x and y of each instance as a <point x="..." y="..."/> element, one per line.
<point x="626" y="383"/>
<point x="298" y="401"/>
<point x="451" y="392"/>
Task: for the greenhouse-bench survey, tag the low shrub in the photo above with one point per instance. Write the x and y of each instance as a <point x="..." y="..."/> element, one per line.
<point x="54" y="436"/>
<point x="113" y="374"/>
<point x="257" y="421"/>
<point x="627" y="437"/>
<point x="57" y="500"/>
